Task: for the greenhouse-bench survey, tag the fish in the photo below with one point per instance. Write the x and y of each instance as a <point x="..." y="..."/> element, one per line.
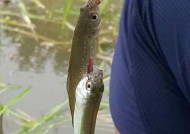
<point x="84" y="45"/>
<point x="89" y="93"/>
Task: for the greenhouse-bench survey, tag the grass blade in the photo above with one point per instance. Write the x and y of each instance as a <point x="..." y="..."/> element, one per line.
<point x="14" y="100"/>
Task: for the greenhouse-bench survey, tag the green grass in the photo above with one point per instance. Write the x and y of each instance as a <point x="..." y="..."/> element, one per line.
<point x="22" y="24"/>
<point x="5" y="108"/>
<point x="66" y="12"/>
<point x="42" y="125"/>
<point x="46" y="122"/>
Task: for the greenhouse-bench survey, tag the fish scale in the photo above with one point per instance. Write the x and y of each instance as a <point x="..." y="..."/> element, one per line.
<point x="84" y="44"/>
<point x="87" y="102"/>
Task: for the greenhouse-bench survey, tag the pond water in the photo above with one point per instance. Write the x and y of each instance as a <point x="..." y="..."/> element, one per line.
<point x="42" y="64"/>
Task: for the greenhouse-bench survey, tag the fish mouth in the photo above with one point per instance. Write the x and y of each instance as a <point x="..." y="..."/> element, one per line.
<point x="93" y="3"/>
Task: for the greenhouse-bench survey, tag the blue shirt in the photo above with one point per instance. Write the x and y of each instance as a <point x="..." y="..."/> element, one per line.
<point x="150" y="78"/>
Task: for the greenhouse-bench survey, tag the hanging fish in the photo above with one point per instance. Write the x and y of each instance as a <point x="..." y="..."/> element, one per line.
<point x="84" y="43"/>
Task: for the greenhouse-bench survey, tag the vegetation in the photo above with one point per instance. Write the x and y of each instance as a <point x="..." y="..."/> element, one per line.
<point x="31" y="21"/>
<point x="41" y="125"/>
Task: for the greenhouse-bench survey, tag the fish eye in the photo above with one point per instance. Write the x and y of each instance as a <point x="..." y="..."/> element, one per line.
<point x="94" y="17"/>
<point x="88" y="86"/>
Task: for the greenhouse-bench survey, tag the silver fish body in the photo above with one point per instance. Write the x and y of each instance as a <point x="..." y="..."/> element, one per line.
<point x="88" y="96"/>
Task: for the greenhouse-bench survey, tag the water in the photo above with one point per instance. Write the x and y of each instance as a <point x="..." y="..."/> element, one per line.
<point x="43" y="64"/>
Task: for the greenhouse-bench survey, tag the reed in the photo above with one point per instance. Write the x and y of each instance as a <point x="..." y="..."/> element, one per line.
<point x="21" y="20"/>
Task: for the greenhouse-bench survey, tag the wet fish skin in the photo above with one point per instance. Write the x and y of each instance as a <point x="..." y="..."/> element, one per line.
<point x="88" y="96"/>
<point x="84" y="43"/>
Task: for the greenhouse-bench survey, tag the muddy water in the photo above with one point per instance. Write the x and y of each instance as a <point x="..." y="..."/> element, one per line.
<point x="42" y="64"/>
